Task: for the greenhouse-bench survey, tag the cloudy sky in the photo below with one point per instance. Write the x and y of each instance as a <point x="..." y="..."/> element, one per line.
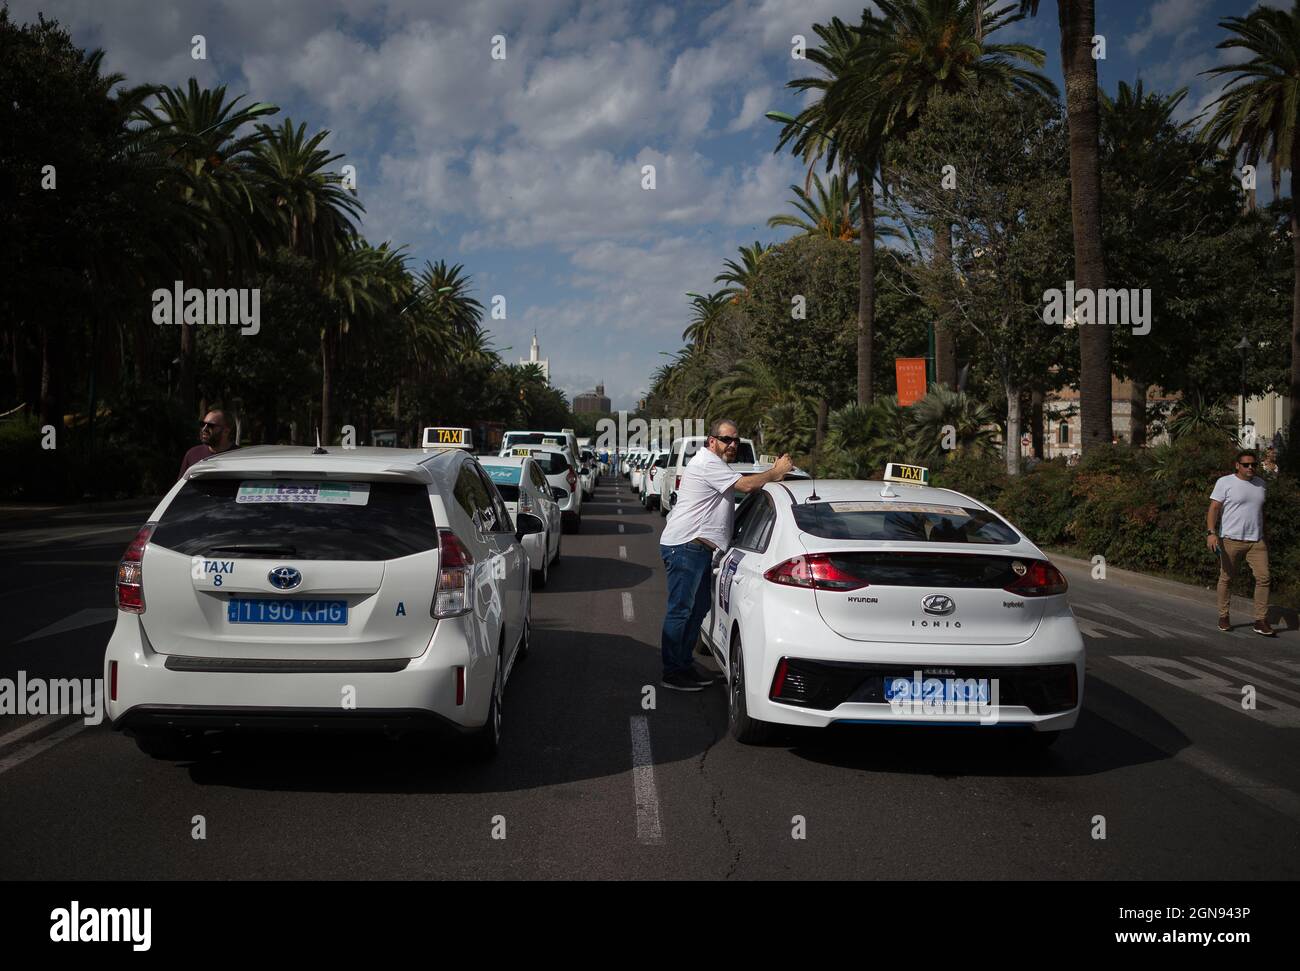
<point x="528" y="169"/>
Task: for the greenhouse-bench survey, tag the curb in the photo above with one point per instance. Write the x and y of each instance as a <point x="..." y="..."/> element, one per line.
<point x="1187" y="591"/>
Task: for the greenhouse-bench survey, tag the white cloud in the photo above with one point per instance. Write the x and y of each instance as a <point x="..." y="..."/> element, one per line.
<point x="756" y="102"/>
<point x="1167" y="18"/>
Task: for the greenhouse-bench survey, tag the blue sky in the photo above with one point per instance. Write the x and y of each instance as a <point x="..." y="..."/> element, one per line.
<point x="528" y="169"/>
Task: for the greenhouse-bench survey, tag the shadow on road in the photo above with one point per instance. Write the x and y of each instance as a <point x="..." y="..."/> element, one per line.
<point x="566" y="719"/>
<point x="1095" y="745"/>
<point x="575" y="574"/>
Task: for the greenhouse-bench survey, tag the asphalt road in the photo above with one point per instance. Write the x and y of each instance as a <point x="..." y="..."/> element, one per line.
<point x="1188" y="784"/>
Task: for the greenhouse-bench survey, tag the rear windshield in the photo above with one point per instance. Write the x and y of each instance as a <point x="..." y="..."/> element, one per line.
<point x="552" y="463"/>
<point x="536" y="438"/>
<point x="902" y="521"/>
<point x="744" y="451"/>
<point x="205" y="518"/>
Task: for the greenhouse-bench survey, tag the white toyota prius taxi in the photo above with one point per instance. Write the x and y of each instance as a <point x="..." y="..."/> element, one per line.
<point x="292" y="588"/>
<point x="890" y="602"/>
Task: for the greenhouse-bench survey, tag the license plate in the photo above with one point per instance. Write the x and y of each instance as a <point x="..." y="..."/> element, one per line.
<point x="937" y="690"/>
<point x="261" y="611"/>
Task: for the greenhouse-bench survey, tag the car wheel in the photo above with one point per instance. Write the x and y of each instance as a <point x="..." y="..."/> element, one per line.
<point x="168" y="743"/>
<point x="744" y="729"/>
<point x="484" y="743"/>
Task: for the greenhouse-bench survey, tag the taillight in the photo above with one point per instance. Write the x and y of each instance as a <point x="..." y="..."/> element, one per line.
<point x="130" y="572"/>
<point x="454" y="593"/>
<point x="1040" y="580"/>
<point x="112" y="681"/>
<point x="460" y="685"/>
<point x="677" y="482"/>
<point x="572" y="480"/>
<point x="815" y="571"/>
<point x="525" y="503"/>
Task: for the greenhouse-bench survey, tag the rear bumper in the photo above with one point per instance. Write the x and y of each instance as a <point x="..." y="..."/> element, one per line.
<point x="154" y="689"/>
<point x="830" y="679"/>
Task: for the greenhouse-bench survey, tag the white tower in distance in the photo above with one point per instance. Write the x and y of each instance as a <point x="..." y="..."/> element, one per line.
<point x="534" y="357"/>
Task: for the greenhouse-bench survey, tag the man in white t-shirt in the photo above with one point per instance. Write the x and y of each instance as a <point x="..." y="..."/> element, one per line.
<point x="1239" y="500"/>
<point x="699" y="524"/>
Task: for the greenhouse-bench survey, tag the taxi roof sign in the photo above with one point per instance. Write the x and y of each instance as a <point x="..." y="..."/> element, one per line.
<point x="437" y="437"/>
<point x="908" y="474"/>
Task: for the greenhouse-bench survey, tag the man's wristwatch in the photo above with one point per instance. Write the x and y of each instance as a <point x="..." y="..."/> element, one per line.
<point x="1209" y="532"/>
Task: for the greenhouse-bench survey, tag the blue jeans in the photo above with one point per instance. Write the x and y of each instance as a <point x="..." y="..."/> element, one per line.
<point x="689" y="568"/>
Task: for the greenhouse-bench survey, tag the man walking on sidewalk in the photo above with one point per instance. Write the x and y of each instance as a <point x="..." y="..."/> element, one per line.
<point x="699" y="524"/>
<point x="1240" y="499"/>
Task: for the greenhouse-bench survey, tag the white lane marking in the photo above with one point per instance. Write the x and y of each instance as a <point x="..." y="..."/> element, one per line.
<point x="620" y="527"/>
<point x="622" y="552"/>
<point x="619" y="510"/>
<point x="1275" y="797"/>
<point x="648" y="828"/>
<point x="1262" y="687"/>
<point x="627" y="607"/>
<point x="37" y="747"/>
<point x="1093" y="628"/>
<point x="1278" y="669"/>
<point x="89" y="617"/>
<point x="30" y="728"/>
<point x="1150" y="626"/>
<point x="1212" y="688"/>
<point x="29" y="538"/>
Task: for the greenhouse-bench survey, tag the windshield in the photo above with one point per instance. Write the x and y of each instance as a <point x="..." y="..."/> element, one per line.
<point x="744" y="451"/>
<point x="903" y="521"/>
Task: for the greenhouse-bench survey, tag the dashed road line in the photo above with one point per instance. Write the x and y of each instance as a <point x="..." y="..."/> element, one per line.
<point x="36" y="748"/>
<point x="648" y="827"/>
<point x="622" y="552"/>
<point x="627" y="607"/>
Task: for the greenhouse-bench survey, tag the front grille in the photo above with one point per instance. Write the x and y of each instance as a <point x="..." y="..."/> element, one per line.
<point x="1044" y="689"/>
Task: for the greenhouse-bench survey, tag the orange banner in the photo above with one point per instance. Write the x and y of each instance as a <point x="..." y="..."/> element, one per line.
<point x="910" y="372"/>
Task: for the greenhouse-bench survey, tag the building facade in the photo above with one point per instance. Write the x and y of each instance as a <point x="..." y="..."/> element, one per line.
<point x="591" y="401"/>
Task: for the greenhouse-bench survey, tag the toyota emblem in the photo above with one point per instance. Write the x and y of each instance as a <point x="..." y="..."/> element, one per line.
<point x="284" y="577"/>
<point x="938" y="603"/>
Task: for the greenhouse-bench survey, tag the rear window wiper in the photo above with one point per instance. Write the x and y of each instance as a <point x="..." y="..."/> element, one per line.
<point x="250" y="549"/>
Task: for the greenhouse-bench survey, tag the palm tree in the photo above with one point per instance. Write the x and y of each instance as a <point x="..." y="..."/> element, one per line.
<point x="749" y="391"/>
<point x="705" y="311"/>
<point x="742" y="276"/>
<point x="816" y="133"/>
<point x="947" y="422"/>
<point x="1078" y="25"/>
<point x="198" y="132"/>
<point x="1257" y="114"/>
<point x="832" y="213"/>
<point x="923" y="47"/>
<point x="308" y="206"/>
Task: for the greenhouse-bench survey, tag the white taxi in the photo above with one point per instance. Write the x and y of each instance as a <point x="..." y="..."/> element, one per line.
<point x="315" y="589"/>
<point x="850" y="601"/>
<point x="524" y="488"/>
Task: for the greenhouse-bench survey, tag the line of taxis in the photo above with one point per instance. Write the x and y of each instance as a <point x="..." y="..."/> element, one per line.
<point x="387" y="589"/>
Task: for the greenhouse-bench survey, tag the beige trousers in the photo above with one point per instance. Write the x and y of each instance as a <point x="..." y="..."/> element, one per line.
<point x="1231" y="553"/>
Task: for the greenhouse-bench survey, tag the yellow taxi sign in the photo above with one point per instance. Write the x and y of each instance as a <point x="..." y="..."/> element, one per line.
<point x="435" y="437"/>
<point x="910" y="474"/>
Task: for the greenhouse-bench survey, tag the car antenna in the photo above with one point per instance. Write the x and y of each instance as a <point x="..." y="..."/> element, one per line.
<point x="812" y="475"/>
<point x="318" y="450"/>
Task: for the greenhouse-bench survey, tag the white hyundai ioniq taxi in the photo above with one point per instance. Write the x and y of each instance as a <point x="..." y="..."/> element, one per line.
<point x="858" y="601"/>
<point x="292" y="588"/>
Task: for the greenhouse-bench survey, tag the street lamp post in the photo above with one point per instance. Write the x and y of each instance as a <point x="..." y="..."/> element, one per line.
<point x="1243" y="346"/>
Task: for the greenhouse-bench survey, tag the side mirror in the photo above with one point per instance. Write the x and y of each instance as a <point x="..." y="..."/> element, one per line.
<point x="526" y="524"/>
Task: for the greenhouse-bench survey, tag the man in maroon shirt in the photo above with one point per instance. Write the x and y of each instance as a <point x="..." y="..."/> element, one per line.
<point x="217" y="435"/>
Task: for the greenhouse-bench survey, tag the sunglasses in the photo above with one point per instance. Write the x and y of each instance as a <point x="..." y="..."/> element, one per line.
<point x="1247" y="465"/>
<point x="728" y="439"/>
<point x="211" y="424"/>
